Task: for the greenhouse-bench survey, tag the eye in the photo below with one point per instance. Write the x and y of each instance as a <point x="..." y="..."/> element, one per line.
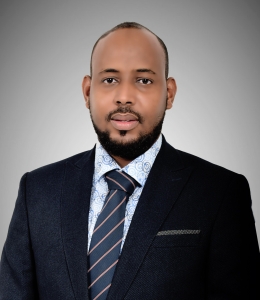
<point x="145" y="81"/>
<point x="109" y="80"/>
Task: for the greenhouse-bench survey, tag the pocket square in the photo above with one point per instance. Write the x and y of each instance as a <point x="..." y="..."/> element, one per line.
<point x="177" y="232"/>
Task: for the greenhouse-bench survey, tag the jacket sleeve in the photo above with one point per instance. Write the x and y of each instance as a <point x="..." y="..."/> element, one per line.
<point x="234" y="259"/>
<point x="17" y="271"/>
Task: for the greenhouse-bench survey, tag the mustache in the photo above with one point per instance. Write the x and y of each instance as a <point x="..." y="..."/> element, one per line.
<point x="124" y="110"/>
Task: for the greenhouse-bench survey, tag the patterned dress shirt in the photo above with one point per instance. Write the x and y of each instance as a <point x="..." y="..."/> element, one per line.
<point x="139" y="169"/>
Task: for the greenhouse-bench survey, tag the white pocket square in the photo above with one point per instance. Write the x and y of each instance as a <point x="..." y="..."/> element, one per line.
<point x="175" y="232"/>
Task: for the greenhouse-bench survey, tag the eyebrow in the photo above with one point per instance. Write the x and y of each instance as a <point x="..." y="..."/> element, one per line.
<point x="145" y="71"/>
<point x="110" y="70"/>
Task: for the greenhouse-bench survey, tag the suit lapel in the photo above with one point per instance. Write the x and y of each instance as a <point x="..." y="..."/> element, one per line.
<point x="163" y="186"/>
<point x="74" y="218"/>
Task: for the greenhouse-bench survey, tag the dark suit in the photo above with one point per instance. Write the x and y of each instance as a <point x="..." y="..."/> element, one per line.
<point x="192" y="235"/>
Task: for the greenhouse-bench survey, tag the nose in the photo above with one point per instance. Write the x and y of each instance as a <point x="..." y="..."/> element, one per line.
<point x="125" y="94"/>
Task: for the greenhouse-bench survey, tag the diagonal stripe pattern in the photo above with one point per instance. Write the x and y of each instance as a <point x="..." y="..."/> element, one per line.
<point x="107" y="235"/>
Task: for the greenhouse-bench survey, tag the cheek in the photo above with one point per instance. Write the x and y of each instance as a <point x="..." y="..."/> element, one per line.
<point x="98" y="107"/>
<point x="154" y="108"/>
<point x="98" y="115"/>
<point x="95" y="106"/>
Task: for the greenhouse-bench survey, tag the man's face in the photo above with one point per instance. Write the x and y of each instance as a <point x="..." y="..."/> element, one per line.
<point x="128" y="92"/>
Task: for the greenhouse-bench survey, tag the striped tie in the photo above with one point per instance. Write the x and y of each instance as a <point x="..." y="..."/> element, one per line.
<point x="106" y="240"/>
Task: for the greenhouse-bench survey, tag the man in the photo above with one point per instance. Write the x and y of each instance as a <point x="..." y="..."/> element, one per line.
<point x="184" y="231"/>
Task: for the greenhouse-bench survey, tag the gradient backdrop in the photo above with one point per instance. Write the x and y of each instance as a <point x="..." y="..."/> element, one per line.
<point x="45" y="49"/>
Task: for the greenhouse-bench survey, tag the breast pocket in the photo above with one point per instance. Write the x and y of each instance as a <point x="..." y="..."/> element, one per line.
<point x="177" y="238"/>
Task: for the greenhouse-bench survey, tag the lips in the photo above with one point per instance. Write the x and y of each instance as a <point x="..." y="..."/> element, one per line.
<point x="124" y="121"/>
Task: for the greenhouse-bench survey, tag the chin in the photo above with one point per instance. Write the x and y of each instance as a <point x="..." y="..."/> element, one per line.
<point x="123" y="136"/>
<point x="126" y="144"/>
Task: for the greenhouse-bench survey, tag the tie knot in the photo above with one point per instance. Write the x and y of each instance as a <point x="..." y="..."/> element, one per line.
<point x="119" y="180"/>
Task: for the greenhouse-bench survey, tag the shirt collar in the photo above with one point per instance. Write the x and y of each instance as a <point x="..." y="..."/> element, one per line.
<point x="139" y="168"/>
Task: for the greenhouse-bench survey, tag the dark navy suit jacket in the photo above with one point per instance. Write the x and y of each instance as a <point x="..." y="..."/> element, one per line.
<point x="192" y="235"/>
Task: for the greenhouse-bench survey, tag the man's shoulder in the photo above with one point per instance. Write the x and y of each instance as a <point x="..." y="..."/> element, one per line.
<point x="199" y="162"/>
<point x="208" y="175"/>
<point x="202" y="167"/>
<point x="56" y="169"/>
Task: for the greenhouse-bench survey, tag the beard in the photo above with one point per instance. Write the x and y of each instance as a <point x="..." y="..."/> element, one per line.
<point x="133" y="148"/>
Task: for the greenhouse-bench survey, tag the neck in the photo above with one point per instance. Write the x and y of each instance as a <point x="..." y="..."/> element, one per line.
<point x="122" y="162"/>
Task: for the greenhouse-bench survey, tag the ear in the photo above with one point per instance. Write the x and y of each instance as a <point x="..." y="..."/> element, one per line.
<point x="171" y="91"/>
<point x="86" y="83"/>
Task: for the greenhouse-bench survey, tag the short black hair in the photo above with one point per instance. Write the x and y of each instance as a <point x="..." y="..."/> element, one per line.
<point x="137" y="26"/>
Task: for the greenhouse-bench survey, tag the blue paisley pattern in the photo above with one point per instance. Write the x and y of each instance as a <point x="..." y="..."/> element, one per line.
<point x="139" y="169"/>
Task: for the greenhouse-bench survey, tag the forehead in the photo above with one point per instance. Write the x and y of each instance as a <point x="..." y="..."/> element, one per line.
<point x="130" y="48"/>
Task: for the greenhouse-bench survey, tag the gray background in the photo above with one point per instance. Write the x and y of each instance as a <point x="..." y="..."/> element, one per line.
<point x="44" y="53"/>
